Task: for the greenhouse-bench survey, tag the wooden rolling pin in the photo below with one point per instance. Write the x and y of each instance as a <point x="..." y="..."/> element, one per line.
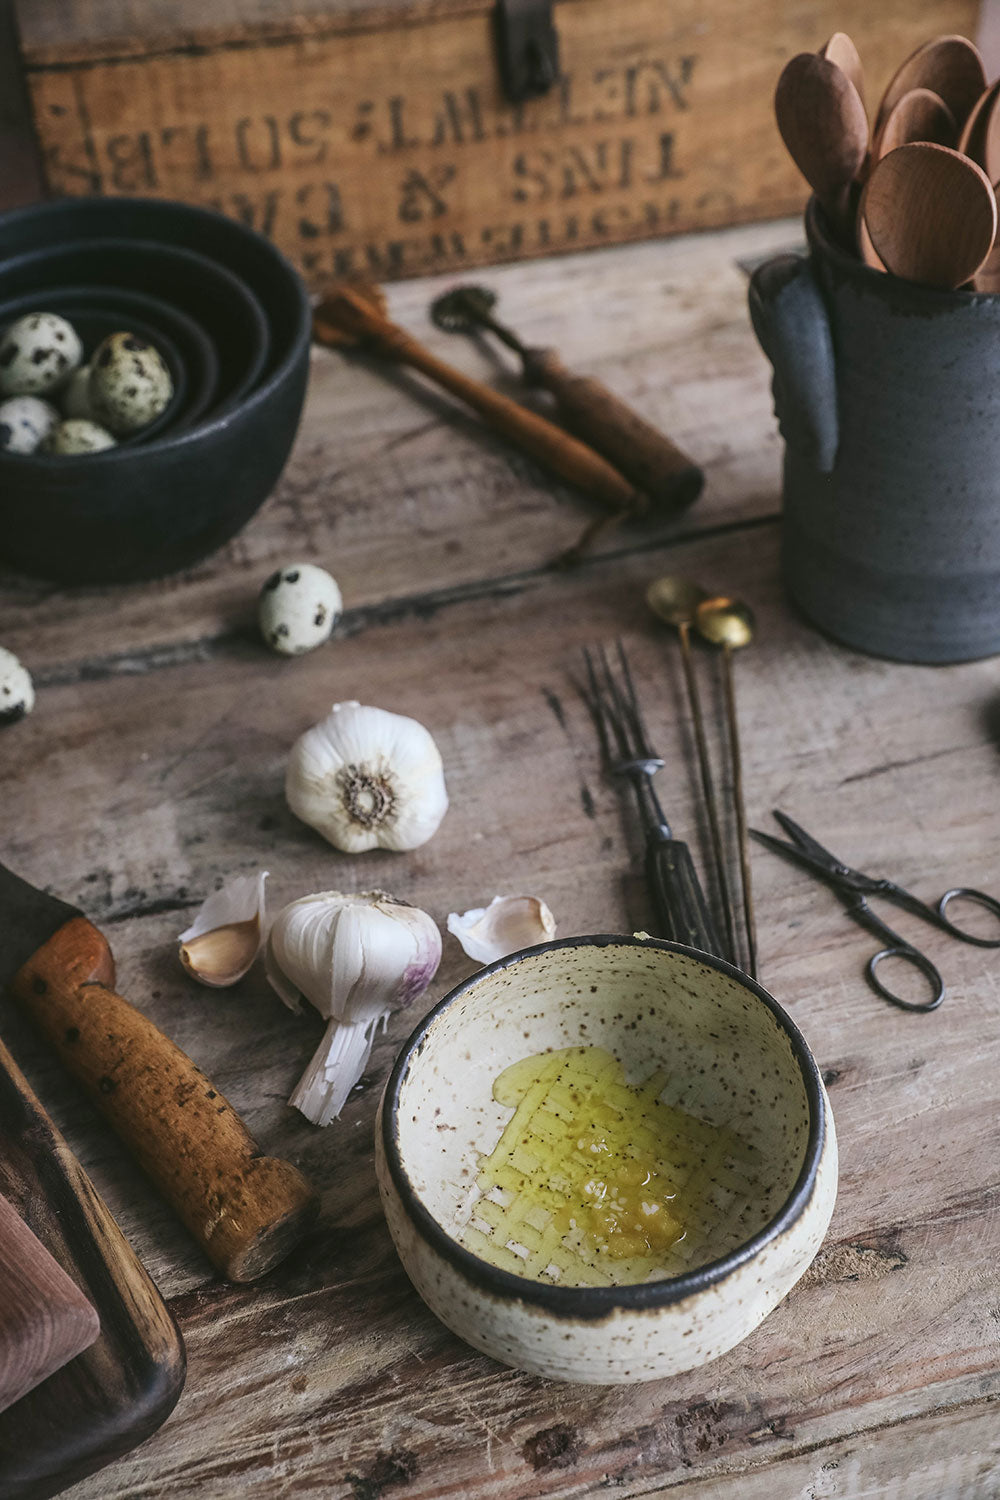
<point x="348" y="315"/>
<point x="246" y="1210"/>
<point x="45" y="1320"/>
<point x="646" y="456"/>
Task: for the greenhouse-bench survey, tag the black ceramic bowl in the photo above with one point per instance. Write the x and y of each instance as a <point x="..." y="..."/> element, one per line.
<point x="166" y="326"/>
<point x="219" y="302"/>
<point x="140" y="512"/>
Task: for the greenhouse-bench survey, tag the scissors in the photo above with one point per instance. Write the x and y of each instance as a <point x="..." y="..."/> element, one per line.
<point x="852" y="887"/>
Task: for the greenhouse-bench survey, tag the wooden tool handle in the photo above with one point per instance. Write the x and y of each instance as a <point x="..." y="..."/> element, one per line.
<point x="556" y="450"/>
<point x="45" y="1320"/>
<point x="247" y="1211"/>
<point x="645" y="456"/>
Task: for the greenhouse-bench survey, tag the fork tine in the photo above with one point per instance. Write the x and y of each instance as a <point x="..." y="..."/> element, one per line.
<point x="615" y="708"/>
<point x="631" y="700"/>
<point x="597" y="707"/>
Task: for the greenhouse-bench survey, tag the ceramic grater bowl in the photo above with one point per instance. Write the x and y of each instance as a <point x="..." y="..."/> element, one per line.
<point x="734" y="1059"/>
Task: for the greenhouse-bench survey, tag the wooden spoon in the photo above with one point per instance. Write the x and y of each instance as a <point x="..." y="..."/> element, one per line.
<point x="842" y="51"/>
<point x="949" y="65"/>
<point x="980" y="139"/>
<point x="823" y="123"/>
<point x="917" y="115"/>
<point x="931" y="214"/>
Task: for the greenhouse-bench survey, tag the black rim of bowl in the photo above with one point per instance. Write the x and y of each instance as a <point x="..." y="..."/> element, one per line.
<point x="299" y="335"/>
<point x="592" y="1302"/>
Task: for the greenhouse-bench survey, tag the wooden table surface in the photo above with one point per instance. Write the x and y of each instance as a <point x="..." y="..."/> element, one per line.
<point x="152" y="768"/>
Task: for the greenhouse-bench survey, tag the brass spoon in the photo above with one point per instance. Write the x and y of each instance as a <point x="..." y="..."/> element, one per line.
<point x="675" y="600"/>
<point x="931" y="214"/>
<point x="730" y="624"/>
<point x="823" y="123"/>
<point x="950" y="65"/>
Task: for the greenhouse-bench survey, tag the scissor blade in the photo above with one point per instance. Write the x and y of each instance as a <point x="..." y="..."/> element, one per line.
<point x="28" y="918"/>
<point x="822" y="866"/>
<point x="805" y="842"/>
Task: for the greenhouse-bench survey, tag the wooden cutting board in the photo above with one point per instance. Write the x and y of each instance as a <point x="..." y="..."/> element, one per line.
<point x="119" y="1391"/>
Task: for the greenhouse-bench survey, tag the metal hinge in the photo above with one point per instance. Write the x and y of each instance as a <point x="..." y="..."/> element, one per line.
<point x="528" y="46"/>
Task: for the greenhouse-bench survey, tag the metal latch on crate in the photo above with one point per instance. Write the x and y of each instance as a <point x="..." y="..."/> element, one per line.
<point x="528" y="46"/>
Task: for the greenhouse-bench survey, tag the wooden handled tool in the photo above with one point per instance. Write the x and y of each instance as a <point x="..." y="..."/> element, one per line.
<point x="123" y="1386"/>
<point x="45" y="1320"/>
<point x="644" y="455"/>
<point x="247" y="1211"/>
<point x="348" y="314"/>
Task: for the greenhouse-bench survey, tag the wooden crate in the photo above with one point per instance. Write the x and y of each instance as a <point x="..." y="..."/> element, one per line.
<point x="374" y="135"/>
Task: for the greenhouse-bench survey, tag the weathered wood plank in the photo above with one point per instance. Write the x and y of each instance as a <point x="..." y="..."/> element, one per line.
<point x="383" y="141"/>
<point x="400" y="493"/>
<point x="332" y="1376"/>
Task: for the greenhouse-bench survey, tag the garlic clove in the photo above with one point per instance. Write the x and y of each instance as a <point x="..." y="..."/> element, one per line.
<point x="224" y="939"/>
<point x="356" y="958"/>
<point x="366" y="778"/>
<point x="507" y="925"/>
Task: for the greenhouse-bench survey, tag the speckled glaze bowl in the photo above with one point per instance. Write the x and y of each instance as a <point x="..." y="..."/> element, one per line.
<point x="734" y="1058"/>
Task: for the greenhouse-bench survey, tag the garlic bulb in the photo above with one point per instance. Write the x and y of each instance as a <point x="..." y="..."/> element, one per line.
<point x="224" y="938"/>
<point x="367" y="779"/>
<point x="356" y="958"/>
<point x="507" y="925"/>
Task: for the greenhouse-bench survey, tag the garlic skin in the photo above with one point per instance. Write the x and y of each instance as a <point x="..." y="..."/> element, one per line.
<point x="507" y="925"/>
<point x="225" y="937"/>
<point x="367" y="779"/>
<point x="356" y="958"/>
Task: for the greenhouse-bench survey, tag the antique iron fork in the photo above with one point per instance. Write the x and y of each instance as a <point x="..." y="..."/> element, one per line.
<point x="681" y="910"/>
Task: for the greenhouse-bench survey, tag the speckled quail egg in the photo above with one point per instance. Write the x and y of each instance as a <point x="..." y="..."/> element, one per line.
<point x="17" y="694"/>
<point x="25" y="423"/>
<point x="298" y="608"/>
<point x="74" y="399"/>
<point x="78" y="435"/>
<point x="37" y="354"/>
<point x="130" y="384"/>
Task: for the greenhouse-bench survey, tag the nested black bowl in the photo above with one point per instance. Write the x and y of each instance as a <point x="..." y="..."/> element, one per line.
<point x="219" y="302"/>
<point x="132" y="513"/>
<point x="138" y="312"/>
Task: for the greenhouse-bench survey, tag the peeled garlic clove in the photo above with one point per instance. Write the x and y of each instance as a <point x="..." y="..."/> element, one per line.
<point x="367" y="779"/>
<point x="225" y="936"/>
<point x="507" y="925"/>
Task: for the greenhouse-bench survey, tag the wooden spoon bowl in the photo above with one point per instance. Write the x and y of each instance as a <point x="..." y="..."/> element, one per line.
<point x="931" y="214"/>
<point x="950" y="66"/>
<point x="824" y="126"/>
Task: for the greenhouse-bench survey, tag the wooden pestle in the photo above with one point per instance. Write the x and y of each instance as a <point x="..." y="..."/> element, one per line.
<point x="45" y="1320"/>
<point x="647" y="457"/>
<point x="346" y="314"/>
<point x="247" y="1211"/>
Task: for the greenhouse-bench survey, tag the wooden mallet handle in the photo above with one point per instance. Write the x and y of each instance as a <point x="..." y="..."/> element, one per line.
<point x="348" y="313"/>
<point x="644" y="455"/>
<point x="247" y="1211"/>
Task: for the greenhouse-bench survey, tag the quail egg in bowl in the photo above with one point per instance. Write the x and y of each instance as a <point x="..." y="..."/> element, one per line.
<point x="606" y="1159"/>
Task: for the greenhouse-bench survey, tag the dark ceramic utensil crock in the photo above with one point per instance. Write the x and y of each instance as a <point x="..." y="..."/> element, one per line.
<point x="127" y="309"/>
<point x="134" y="513"/>
<point x="889" y="404"/>
<point x="220" y="303"/>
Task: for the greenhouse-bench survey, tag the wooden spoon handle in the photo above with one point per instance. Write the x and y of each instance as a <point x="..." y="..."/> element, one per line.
<point x="644" y="455"/>
<point x="247" y="1211"/>
<point x="556" y="450"/>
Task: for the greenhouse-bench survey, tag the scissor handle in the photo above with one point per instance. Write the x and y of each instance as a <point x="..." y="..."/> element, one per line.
<point x="919" y="961"/>
<point x="978" y="898"/>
